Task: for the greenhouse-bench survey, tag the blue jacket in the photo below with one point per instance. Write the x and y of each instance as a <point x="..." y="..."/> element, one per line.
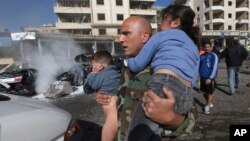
<point x="170" y="49"/>
<point x="107" y="80"/>
<point x="208" y="65"/>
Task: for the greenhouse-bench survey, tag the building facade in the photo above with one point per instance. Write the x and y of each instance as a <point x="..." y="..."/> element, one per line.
<point x="223" y="17"/>
<point x="100" y="17"/>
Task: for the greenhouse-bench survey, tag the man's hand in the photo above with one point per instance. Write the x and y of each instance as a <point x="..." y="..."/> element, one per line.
<point x="103" y="98"/>
<point x="161" y="110"/>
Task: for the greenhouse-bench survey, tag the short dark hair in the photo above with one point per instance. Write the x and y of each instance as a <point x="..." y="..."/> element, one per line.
<point x="103" y="56"/>
<point x="207" y="42"/>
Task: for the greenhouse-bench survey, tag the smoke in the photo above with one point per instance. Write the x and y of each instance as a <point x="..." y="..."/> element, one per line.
<point x="48" y="69"/>
<point x="55" y="59"/>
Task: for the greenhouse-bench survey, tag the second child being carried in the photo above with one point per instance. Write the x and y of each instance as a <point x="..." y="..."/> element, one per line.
<point x="105" y="77"/>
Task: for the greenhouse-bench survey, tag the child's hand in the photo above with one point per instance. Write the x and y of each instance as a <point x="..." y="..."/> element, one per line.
<point x="97" y="67"/>
<point x="208" y="81"/>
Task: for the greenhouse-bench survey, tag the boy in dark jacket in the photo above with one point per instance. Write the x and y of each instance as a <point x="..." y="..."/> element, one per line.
<point x="208" y="71"/>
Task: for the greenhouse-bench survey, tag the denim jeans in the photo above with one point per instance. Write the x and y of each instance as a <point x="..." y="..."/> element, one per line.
<point x="183" y="95"/>
<point x="141" y="127"/>
<point x="233" y="74"/>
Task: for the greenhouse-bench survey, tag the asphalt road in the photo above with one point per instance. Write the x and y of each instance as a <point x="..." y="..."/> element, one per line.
<point x="227" y="110"/>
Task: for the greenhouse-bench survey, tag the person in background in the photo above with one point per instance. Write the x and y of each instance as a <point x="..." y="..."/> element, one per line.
<point x="208" y="71"/>
<point x="135" y="32"/>
<point x="104" y="77"/>
<point x="234" y="54"/>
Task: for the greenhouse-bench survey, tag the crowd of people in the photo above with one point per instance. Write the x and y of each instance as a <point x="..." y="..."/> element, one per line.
<point x="152" y="98"/>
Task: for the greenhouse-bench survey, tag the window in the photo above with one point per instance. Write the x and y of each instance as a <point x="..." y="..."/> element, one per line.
<point x="229" y="15"/>
<point x="229" y="3"/>
<point x="102" y="31"/>
<point x="100" y="2"/>
<point x="118" y="31"/>
<point x="119" y="17"/>
<point x="101" y="17"/>
<point x="198" y="8"/>
<point x="229" y="27"/>
<point x="118" y="2"/>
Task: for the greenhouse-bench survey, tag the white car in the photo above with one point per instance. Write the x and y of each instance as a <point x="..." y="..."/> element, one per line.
<point x="26" y="119"/>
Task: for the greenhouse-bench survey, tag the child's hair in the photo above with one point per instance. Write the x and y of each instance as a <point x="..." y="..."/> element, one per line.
<point x="207" y="42"/>
<point x="103" y="56"/>
<point x="186" y="16"/>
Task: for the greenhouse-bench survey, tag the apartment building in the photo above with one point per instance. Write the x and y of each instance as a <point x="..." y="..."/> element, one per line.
<point x="223" y="17"/>
<point x="100" y="17"/>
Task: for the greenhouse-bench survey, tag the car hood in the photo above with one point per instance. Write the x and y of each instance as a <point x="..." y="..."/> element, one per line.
<point x="31" y="119"/>
<point x="28" y="103"/>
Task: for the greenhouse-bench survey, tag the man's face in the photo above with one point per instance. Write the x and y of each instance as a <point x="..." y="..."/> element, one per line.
<point x="131" y="38"/>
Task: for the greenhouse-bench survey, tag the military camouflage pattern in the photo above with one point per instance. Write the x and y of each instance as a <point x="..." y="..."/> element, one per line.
<point x="130" y="93"/>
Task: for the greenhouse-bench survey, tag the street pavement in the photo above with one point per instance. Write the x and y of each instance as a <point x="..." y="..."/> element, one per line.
<point x="227" y="110"/>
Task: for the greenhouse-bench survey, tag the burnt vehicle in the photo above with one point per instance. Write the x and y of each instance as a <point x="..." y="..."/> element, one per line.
<point x="18" y="82"/>
<point x="118" y="61"/>
<point x="79" y="72"/>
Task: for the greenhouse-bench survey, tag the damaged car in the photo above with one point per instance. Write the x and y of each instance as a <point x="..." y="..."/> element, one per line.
<point x="18" y="82"/>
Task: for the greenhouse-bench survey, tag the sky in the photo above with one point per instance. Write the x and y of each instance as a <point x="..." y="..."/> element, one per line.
<point x="26" y="13"/>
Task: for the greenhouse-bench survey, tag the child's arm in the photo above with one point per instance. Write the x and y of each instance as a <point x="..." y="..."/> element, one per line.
<point x="90" y="86"/>
<point x="139" y="62"/>
<point x="214" y="67"/>
<point x="110" y="126"/>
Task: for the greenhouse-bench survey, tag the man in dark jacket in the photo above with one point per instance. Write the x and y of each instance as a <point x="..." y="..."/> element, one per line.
<point x="234" y="55"/>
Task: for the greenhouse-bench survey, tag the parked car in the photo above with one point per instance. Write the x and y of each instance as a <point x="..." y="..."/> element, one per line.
<point x="26" y="119"/>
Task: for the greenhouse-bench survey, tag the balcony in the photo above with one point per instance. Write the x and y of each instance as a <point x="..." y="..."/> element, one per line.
<point x="241" y="9"/>
<point x="218" y="26"/>
<point x="242" y="26"/>
<point x="73" y="3"/>
<point x="242" y="3"/>
<point x="72" y="10"/>
<point x="218" y="14"/>
<point x="140" y="5"/>
<point x="142" y="12"/>
<point x="218" y="2"/>
<point x="214" y="21"/>
<point x="243" y="16"/>
<point x="213" y="8"/>
<point x="73" y="25"/>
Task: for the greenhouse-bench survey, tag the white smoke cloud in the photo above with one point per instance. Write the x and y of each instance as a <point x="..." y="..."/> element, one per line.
<point x="48" y="69"/>
<point x="55" y="59"/>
